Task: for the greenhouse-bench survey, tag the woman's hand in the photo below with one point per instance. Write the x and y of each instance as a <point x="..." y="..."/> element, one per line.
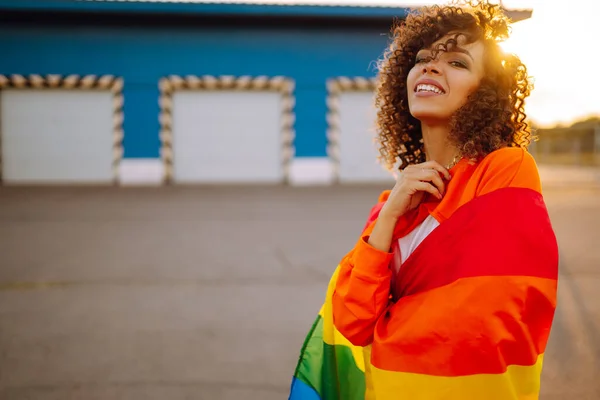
<point x="411" y="186"/>
<point x="407" y="194"/>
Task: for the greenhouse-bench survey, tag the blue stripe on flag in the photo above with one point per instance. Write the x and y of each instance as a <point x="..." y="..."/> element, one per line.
<point x="301" y="391"/>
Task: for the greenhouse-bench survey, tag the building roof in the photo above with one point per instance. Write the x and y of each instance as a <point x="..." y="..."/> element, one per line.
<point x="288" y="3"/>
<point x="282" y="8"/>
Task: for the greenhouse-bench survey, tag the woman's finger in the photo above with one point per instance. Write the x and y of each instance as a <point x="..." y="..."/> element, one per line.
<point x="433" y="176"/>
<point x="427" y="175"/>
<point x="437" y="166"/>
<point x="427" y="187"/>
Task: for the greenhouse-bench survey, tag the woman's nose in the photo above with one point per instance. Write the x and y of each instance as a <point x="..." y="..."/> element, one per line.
<point x="431" y="68"/>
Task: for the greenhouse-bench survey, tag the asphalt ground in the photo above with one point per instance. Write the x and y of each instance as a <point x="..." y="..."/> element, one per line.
<point x="207" y="292"/>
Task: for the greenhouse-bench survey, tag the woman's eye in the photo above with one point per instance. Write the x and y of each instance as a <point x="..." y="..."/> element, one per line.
<point x="458" y="64"/>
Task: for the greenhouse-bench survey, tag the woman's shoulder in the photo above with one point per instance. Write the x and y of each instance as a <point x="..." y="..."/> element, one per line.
<point x="508" y="154"/>
<point x="507" y="167"/>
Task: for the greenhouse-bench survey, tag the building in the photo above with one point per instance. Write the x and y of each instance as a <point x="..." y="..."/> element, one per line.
<point x="189" y="91"/>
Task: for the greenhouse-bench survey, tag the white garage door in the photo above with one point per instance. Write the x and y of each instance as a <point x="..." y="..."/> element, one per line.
<point x="56" y="136"/>
<point x="357" y="150"/>
<point x="227" y="137"/>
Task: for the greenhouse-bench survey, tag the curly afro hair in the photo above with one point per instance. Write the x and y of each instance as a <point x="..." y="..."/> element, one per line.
<point x="493" y="116"/>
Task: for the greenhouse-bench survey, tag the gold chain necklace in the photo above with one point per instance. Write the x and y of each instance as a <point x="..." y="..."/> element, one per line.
<point x="455" y="161"/>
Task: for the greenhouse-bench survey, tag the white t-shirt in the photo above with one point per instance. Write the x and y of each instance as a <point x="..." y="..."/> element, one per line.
<point x="410" y="242"/>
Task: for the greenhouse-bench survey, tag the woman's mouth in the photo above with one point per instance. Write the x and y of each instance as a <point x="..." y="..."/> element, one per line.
<point x="427" y="88"/>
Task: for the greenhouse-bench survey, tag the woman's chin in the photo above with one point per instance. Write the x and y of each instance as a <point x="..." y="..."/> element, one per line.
<point x="434" y="116"/>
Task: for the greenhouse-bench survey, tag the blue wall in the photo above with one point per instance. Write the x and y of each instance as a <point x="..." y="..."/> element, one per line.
<point x="142" y="55"/>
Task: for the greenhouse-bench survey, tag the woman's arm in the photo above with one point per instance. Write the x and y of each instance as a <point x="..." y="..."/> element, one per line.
<point x="363" y="287"/>
<point x="362" y="290"/>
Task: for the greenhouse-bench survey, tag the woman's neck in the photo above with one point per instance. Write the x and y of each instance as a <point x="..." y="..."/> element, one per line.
<point x="437" y="146"/>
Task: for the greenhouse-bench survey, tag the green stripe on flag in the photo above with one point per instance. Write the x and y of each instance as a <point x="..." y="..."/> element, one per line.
<point x="330" y="370"/>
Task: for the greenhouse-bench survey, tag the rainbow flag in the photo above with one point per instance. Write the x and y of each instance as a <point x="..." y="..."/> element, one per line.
<point x="330" y="367"/>
<point x="469" y="318"/>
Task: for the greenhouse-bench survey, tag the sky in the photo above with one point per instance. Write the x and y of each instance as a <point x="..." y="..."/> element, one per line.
<point x="556" y="44"/>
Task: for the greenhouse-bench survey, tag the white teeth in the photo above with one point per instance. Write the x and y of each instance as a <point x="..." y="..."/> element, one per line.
<point x="429" y="88"/>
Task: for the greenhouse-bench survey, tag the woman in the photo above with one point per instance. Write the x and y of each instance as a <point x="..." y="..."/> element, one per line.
<point x="450" y="291"/>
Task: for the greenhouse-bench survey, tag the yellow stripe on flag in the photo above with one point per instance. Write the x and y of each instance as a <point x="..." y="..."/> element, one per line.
<point x="517" y="383"/>
<point x="331" y="335"/>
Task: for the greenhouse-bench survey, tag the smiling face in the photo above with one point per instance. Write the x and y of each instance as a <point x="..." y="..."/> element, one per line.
<point x="438" y="87"/>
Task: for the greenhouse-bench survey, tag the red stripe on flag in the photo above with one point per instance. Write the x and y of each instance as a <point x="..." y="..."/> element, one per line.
<point x="506" y="232"/>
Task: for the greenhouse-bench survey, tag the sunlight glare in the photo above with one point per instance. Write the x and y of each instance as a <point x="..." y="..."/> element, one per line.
<point x="555" y="44"/>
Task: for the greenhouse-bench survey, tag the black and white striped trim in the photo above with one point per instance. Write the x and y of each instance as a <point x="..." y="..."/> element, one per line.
<point x="74" y="82"/>
<point x="335" y="87"/>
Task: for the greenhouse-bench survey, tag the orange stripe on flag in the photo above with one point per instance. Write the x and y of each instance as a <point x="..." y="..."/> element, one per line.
<point x="472" y="326"/>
